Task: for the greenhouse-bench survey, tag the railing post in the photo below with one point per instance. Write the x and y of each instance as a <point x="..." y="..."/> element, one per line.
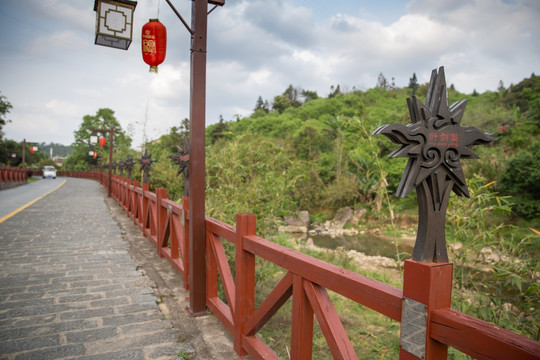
<point x="426" y="287"/>
<point x="301" y="322"/>
<point x="161" y="194"/>
<point x="127" y="198"/>
<point x="245" y="279"/>
<point x="144" y="208"/>
<point x="134" y="202"/>
<point x="185" y="256"/>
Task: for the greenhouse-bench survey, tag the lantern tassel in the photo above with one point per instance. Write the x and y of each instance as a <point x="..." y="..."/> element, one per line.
<point x="153" y="69"/>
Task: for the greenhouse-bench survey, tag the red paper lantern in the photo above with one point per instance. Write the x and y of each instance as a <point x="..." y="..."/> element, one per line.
<point x="95" y="154"/>
<point x="102" y="141"/>
<point x="154" y="43"/>
<point x="31" y="149"/>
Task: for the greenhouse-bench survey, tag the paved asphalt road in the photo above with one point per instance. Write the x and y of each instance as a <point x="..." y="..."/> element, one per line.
<point x="13" y="199"/>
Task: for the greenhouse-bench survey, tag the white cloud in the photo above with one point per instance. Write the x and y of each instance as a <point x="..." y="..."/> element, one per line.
<point x="55" y="44"/>
<point x="58" y="107"/>
<point x="255" y="48"/>
<point x="169" y="82"/>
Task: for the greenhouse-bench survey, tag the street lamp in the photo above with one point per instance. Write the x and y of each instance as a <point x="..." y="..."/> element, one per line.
<point x="114" y="23"/>
<point x="32" y="149"/>
<point x="102" y="143"/>
<point x="196" y="165"/>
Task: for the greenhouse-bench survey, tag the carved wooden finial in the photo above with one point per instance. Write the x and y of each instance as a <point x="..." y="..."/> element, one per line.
<point x="434" y="142"/>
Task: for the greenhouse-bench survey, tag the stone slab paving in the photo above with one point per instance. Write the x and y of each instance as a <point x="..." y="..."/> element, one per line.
<point x="69" y="288"/>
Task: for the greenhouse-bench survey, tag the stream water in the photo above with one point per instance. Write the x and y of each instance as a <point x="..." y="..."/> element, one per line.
<point x="367" y="243"/>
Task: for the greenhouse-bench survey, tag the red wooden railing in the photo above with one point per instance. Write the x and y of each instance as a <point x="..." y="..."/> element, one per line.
<point x="11" y="174"/>
<point x="307" y="280"/>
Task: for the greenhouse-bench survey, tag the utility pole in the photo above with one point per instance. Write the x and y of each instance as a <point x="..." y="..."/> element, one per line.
<point x="24" y="150"/>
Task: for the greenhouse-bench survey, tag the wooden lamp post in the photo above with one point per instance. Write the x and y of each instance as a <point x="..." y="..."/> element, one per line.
<point x="196" y="167"/>
<point x="102" y="143"/>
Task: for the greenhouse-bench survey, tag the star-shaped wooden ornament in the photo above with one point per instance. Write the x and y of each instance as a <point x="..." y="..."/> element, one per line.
<point x="146" y="165"/>
<point x="181" y="158"/>
<point x="434" y="142"/>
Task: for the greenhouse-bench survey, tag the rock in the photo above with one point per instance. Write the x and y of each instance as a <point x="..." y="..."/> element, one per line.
<point x="350" y="232"/>
<point x="293" y="229"/>
<point x="456" y="247"/>
<point x="301" y="218"/>
<point x="343" y="216"/>
<point x="486" y="251"/>
<point x="357" y="215"/>
<point x="309" y="243"/>
<point x="371" y="262"/>
<point x="489" y="256"/>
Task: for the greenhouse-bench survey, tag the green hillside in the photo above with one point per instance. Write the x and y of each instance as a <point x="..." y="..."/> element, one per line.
<point x="319" y="155"/>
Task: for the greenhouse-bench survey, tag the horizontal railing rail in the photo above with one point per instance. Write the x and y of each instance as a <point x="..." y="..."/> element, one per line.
<point x="307" y="281"/>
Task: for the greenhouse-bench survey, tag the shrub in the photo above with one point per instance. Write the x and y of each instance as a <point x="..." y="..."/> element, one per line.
<point x="522" y="180"/>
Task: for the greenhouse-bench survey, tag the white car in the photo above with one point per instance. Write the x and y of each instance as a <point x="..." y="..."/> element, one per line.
<point x="49" y="172"/>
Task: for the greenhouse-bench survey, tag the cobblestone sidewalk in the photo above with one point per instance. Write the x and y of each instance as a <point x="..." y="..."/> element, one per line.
<point x="70" y="290"/>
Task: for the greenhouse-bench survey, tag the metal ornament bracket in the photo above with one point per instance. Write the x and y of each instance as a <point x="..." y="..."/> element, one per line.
<point x="434" y="142"/>
<point x="146" y="165"/>
<point x="128" y="163"/>
<point x="181" y="158"/>
<point x="121" y="166"/>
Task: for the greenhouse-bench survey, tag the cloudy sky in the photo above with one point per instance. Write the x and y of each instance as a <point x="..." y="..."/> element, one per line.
<point x="53" y="74"/>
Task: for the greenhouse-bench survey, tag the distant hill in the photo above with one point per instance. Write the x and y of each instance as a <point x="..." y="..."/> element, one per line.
<point x="57" y="149"/>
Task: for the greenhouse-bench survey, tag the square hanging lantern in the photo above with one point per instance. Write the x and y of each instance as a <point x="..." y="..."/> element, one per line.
<point x="93" y="140"/>
<point x="114" y="22"/>
<point x="90" y="153"/>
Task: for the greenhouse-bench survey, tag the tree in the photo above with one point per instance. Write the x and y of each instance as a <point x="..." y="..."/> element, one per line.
<point x="382" y="82"/>
<point x="103" y="119"/>
<point x="335" y="129"/>
<point x="309" y="95"/>
<point x="261" y="105"/>
<point x="292" y="95"/>
<point x="501" y="88"/>
<point x="289" y="98"/>
<point x="413" y="84"/>
<point x="217" y="131"/>
<point x="5" y="106"/>
<point x="334" y="91"/>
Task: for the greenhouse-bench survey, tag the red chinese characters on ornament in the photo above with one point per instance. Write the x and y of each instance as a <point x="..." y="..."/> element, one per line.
<point x="443" y="139"/>
<point x="154" y="43"/>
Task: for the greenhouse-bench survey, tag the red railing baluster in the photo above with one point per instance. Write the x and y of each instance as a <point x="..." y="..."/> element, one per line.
<point x="161" y="194"/>
<point x="301" y="322"/>
<point x="245" y="279"/>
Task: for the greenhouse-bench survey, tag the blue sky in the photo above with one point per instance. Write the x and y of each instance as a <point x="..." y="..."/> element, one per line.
<point x="53" y="74"/>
